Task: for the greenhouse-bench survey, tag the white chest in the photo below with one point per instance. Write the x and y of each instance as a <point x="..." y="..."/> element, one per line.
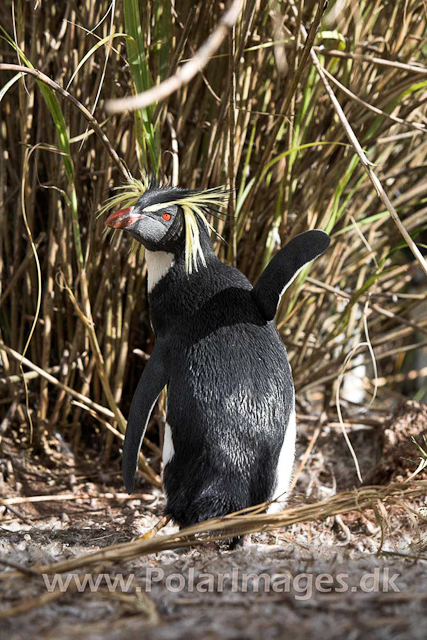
<point x="158" y="264"/>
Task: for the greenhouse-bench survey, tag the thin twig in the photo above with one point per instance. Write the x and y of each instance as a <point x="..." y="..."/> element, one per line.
<point x="232" y="246"/>
<point x="184" y="73"/>
<point x="14" y="565"/>
<point x="394" y="64"/>
<point x="41" y="77"/>
<point x="366" y="164"/>
<point x="59" y="497"/>
<point x="371" y="107"/>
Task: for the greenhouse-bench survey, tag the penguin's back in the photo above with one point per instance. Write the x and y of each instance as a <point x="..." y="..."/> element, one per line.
<point x="230" y="395"/>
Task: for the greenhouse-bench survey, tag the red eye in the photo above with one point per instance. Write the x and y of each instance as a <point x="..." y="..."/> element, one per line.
<point x="166" y="216"/>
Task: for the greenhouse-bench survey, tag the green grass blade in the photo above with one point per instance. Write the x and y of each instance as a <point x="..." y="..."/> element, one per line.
<point x="146" y="135"/>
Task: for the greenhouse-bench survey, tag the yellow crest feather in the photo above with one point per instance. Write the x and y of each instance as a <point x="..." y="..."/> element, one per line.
<point x="193" y="205"/>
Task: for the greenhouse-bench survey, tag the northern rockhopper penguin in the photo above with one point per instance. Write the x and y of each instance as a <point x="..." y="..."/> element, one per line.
<point x="229" y="441"/>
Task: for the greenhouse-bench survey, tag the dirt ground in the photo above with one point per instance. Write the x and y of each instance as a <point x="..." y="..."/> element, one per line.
<point x="322" y="579"/>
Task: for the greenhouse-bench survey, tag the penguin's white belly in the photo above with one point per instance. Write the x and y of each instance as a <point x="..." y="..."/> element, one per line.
<point x="285" y="466"/>
<point x="168" y="448"/>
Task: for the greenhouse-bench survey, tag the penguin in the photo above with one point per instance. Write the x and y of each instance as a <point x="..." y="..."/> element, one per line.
<point x="230" y="432"/>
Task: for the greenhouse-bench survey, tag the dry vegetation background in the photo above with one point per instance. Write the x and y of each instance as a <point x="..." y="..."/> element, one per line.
<point x="257" y="119"/>
<point x="285" y="152"/>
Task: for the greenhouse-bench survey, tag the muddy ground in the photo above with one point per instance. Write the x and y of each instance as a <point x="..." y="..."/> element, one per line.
<point x="322" y="579"/>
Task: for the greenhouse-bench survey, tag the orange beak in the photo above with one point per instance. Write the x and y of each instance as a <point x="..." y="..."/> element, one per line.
<point x="122" y="218"/>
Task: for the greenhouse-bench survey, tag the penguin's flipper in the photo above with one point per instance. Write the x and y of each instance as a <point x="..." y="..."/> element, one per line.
<point x="153" y="379"/>
<point x="284" y="268"/>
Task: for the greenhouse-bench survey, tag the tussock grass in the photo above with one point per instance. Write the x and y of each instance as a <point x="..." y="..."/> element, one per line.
<point x="284" y="150"/>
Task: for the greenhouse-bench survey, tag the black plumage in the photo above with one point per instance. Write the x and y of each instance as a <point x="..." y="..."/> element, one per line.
<point x="229" y="385"/>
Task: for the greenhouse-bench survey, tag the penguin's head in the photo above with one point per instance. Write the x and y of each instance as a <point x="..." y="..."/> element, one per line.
<point x="154" y="220"/>
<point x="166" y="218"/>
